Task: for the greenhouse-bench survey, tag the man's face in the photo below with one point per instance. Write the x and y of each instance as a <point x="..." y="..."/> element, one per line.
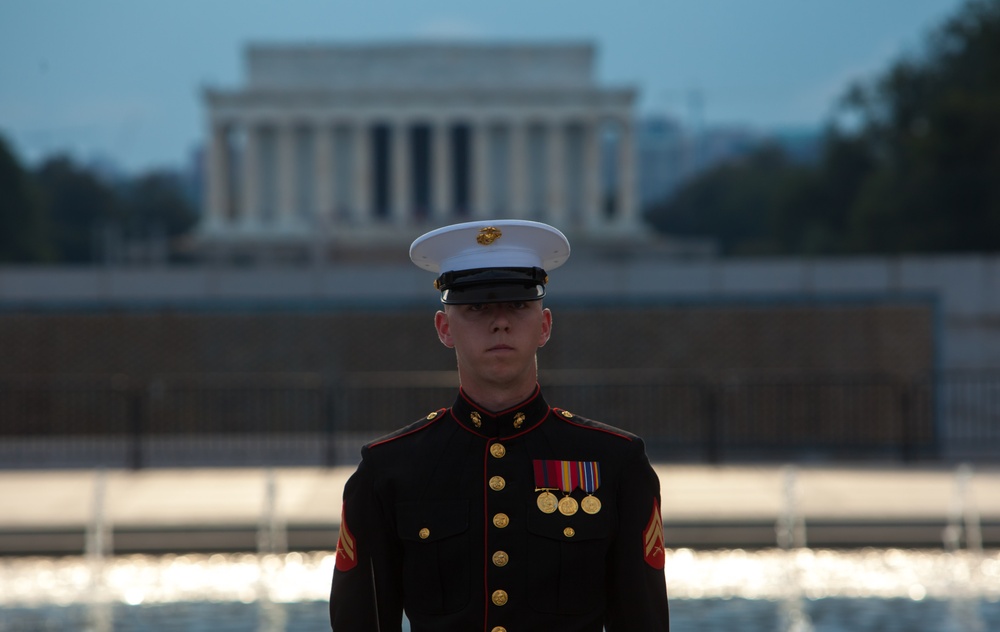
<point x="495" y="342"/>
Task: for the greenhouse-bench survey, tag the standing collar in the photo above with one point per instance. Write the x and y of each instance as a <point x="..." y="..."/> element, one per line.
<point x="516" y="420"/>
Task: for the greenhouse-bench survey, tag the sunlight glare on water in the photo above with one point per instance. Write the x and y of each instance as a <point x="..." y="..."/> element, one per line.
<point x="818" y="574"/>
<point x="769" y="574"/>
<point x="145" y="579"/>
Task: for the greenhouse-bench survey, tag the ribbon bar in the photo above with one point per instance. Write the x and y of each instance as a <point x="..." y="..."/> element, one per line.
<point x="567" y="475"/>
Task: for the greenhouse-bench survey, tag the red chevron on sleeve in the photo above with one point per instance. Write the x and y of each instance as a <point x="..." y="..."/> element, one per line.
<point x="347" y="553"/>
<point x="652" y="540"/>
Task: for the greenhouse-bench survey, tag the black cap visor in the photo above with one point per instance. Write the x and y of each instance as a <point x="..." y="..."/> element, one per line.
<point x="492" y="294"/>
<point x="492" y="285"/>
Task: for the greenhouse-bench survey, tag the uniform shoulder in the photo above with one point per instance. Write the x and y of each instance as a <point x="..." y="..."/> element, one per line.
<point x="583" y="422"/>
<point x="415" y="427"/>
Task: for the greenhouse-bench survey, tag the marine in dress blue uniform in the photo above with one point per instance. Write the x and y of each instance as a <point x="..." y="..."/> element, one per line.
<point x="500" y="513"/>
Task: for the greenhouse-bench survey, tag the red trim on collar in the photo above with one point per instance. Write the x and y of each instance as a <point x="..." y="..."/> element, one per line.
<point x="523" y="431"/>
<point x="471" y="402"/>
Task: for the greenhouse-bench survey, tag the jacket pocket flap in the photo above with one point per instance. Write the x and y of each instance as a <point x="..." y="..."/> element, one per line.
<point x="432" y="520"/>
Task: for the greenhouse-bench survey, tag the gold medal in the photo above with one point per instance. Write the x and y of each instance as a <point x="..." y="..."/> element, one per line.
<point x="547" y="502"/>
<point x="568" y="506"/>
<point x="590" y="505"/>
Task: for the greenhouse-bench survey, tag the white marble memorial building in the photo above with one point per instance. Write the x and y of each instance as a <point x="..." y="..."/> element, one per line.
<point x="355" y="144"/>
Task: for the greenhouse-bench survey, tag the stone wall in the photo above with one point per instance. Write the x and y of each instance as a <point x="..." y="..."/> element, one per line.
<point x="884" y="337"/>
<point x="963" y="290"/>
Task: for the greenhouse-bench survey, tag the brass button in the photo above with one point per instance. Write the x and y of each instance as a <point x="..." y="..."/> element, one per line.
<point x="499" y="597"/>
<point x="569" y="532"/>
<point x="567" y="414"/>
<point x="501" y="520"/>
<point x="499" y="628"/>
<point x="500" y="558"/>
<point x="424" y="533"/>
<point x="432" y="415"/>
<point x="497" y="450"/>
<point x="497" y="483"/>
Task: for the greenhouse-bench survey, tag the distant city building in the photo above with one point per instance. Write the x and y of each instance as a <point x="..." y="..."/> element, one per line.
<point x="724" y="143"/>
<point x="358" y="144"/>
<point x="664" y="158"/>
<point x="669" y="154"/>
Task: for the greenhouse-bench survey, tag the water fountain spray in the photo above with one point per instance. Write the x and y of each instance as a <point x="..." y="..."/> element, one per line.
<point x="97" y="549"/>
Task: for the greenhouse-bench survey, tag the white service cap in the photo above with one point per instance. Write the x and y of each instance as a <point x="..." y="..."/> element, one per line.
<point x="491" y="260"/>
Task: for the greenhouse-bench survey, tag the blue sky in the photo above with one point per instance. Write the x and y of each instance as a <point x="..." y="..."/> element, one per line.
<point x="121" y="79"/>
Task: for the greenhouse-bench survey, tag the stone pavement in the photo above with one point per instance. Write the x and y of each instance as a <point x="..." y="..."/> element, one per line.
<point x="179" y="510"/>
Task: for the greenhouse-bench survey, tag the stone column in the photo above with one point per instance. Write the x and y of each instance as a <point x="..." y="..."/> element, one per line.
<point x="479" y="137"/>
<point x="362" y="172"/>
<point x="441" y="190"/>
<point x="287" y="195"/>
<point x="518" y="168"/>
<point x="593" y="192"/>
<point x="555" y="166"/>
<point x="216" y="170"/>
<point x="250" y="178"/>
<point x="323" y="175"/>
<point x="625" y="207"/>
<point x="402" y="197"/>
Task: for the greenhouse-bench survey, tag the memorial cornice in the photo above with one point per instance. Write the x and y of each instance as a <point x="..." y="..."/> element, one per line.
<point x="400" y="97"/>
<point x="431" y="104"/>
<point x="415" y="65"/>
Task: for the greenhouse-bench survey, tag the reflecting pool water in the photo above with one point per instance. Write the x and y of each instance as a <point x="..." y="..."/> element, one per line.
<point x="768" y="590"/>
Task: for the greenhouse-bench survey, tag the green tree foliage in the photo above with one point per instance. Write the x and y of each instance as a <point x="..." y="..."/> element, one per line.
<point x="63" y="212"/>
<point x="734" y="203"/>
<point x="154" y="203"/>
<point x="81" y="208"/>
<point x="915" y="172"/>
<point x="23" y="226"/>
<point x="932" y="129"/>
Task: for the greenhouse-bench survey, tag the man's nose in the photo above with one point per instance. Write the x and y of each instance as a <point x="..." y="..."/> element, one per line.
<point x="500" y="319"/>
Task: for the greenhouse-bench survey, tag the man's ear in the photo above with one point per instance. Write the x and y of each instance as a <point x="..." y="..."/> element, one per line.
<point x="443" y="329"/>
<point x="546" y="327"/>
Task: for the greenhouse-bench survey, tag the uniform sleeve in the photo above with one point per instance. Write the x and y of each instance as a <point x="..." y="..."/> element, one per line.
<point x="637" y="591"/>
<point x="366" y="593"/>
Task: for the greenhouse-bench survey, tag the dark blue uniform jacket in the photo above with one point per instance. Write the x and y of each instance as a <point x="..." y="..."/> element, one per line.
<point x="442" y="521"/>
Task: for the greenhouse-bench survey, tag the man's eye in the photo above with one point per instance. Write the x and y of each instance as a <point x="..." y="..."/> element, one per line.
<point x="518" y="304"/>
<point x="477" y="307"/>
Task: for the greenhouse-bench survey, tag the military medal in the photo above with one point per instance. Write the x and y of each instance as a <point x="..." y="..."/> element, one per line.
<point x="568" y="506"/>
<point x="590" y="480"/>
<point x="547" y="502"/>
<point x="590" y="505"/>
<point x="568" y="481"/>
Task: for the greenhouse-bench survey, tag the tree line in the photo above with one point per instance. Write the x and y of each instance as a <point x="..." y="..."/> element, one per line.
<point x="64" y="212"/>
<point x="910" y="163"/>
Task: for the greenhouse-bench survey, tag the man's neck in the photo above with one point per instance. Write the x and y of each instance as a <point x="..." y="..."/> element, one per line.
<point x="494" y="399"/>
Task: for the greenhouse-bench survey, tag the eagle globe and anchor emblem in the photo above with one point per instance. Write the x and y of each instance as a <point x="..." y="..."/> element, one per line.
<point x="488" y="235"/>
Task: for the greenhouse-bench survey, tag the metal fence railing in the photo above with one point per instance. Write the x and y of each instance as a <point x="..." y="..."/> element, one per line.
<point x="310" y="419"/>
